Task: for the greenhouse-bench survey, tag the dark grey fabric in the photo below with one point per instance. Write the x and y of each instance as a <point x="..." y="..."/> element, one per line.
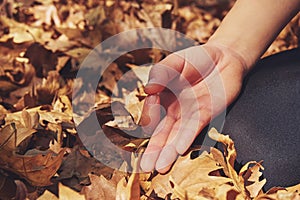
<point x="264" y="120"/>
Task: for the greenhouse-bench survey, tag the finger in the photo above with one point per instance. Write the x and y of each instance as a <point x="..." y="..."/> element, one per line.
<point x="192" y="127"/>
<point x="190" y="65"/>
<point x="182" y="111"/>
<point x="198" y="64"/>
<point x="164" y="72"/>
<point x="168" y="154"/>
<point x="156" y="143"/>
<point x="166" y="158"/>
<point x="151" y="114"/>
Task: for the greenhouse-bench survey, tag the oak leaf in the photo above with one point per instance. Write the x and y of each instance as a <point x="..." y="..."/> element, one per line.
<point x="102" y="188"/>
<point x="36" y="169"/>
<point x="130" y="190"/>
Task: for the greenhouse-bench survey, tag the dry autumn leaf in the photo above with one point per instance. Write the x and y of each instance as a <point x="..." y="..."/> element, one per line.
<point x="130" y="190"/>
<point x="64" y="193"/>
<point x="100" y="188"/>
<point x="18" y="127"/>
<point x="290" y="193"/>
<point x="37" y="119"/>
<point x="188" y="178"/>
<point x="200" y="178"/>
<point x="36" y="169"/>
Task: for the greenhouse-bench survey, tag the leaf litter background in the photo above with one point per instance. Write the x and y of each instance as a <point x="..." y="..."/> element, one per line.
<point x="42" y="44"/>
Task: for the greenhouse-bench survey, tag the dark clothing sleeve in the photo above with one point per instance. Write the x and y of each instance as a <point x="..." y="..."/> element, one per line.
<point x="264" y="121"/>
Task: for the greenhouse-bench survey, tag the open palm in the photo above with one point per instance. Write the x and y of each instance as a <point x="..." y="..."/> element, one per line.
<point x="192" y="86"/>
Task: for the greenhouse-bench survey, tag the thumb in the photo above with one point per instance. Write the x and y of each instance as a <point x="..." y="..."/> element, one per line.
<point x="192" y="64"/>
<point x="164" y="72"/>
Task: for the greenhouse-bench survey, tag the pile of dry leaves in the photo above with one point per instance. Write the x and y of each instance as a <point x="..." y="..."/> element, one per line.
<point x="42" y="44"/>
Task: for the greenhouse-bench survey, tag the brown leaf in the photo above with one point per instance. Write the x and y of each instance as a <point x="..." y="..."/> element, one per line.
<point x="79" y="53"/>
<point x="122" y="118"/>
<point x="55" y="117"/>
<point x="195" y="176"/>
<point x="142" y="72"/>
<point x="18" y="127"/>
<point x="15" y="74"/>
<point x="130" y="190"/>
<point x="64" y="105"/>
<point x="61" y="44"/>
<point x="42" y="59"/>
<point x="230" y="156"/>
<point x="7" y="187"/>
<point x="188" y="177"/>
<point x="37" y="169"/>
<point x="100" y="188"/>
<point x="21" y="32"/>
<point x="75" y="18"/>
<point x="21" y="192"/>
<point x="75" y="164"/>
<point x="110" y="77"/>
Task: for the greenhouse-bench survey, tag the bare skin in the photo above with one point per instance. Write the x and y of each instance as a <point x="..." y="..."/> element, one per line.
<point x="245" y="33"/>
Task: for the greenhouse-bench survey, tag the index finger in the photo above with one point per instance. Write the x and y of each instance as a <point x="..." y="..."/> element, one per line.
<point x="151" y="114"/>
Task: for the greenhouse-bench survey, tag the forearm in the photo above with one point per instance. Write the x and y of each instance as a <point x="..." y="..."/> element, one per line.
<point x="251" y="26"/>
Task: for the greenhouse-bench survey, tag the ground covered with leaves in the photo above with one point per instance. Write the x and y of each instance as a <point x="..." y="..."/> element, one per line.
<point x="42" y="44"/>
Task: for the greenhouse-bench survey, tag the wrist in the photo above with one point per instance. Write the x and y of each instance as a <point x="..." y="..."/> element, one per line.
<point x="235" y="50"/>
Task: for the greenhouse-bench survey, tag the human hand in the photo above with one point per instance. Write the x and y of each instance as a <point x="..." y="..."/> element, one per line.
<point x="192" y="86"/>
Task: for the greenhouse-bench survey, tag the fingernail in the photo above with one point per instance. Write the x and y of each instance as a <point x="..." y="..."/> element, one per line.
<point x="149" y="158"/>
<point x="145" y="164"/>
<point x="161" y="164"/>
<point x="151" y="99"/>
<point x="151" y="81"/>
<point x="167" y="156"/>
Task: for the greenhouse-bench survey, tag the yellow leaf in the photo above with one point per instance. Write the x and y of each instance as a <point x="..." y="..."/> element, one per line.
<point x="230" y="156"/>
<point x="20" y="32"/>
<point x="48" y="196"/>
<point x="251" y="178"/>
<point x="67" y="193"/>
<point x="190" y="175"/>
<point x="130" y="190"/>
